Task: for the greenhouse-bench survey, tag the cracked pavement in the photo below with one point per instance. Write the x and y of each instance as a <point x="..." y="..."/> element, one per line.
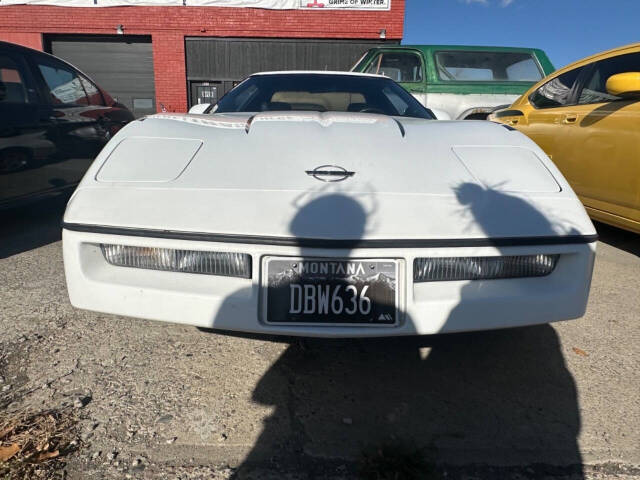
<point x="170" y="401"/>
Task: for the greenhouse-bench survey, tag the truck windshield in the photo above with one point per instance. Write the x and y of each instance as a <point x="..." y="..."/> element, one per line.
<point x="471" y="66"/>
<point x="321" y="93"/>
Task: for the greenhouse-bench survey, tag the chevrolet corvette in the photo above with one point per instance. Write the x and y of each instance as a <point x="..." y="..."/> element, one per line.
<point x="327" y="204"/>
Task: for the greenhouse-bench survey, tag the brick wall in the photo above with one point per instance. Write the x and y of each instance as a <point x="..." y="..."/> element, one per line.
<point x="28" y="39"/>
<point x="25" y="24"/>
<point x="170" y="71"/>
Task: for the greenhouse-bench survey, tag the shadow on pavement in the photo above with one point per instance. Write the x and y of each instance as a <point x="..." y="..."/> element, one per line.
<point x="31" y="226"/>
<point x="618" y="238"/>
<point x="477" y="398"/>
<point x="485" y="398"/>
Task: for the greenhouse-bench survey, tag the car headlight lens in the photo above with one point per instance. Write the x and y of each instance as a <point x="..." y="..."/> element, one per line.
<point x="482" y="268"/>
<point x="186" y="261"/>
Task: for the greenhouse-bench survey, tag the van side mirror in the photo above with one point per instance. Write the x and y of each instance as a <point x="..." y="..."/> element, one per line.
<point x="624" y="84"/>
<point x="200" y="108"/>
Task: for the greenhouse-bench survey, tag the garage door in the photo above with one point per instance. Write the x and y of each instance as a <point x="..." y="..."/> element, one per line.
<point x="120" y="64"/>
<point x="215" y="65"/>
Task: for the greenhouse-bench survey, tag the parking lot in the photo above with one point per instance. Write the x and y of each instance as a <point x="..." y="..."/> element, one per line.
<point x="166" y="401"/>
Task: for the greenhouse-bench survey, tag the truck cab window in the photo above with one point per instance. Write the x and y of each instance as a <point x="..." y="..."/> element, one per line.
<point x="402" y="67"/>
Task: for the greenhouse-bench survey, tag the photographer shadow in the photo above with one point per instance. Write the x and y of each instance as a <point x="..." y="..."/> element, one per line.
<point x="502" y="397"/>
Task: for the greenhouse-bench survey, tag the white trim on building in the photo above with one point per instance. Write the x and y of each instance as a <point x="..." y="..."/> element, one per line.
<point x="268" y="4"/>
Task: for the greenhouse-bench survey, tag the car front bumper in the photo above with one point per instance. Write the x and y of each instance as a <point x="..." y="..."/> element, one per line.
<point x="236" y="303"/>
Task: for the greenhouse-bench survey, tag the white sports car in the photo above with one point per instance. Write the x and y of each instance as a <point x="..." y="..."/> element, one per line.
<point x="327" y="204"/>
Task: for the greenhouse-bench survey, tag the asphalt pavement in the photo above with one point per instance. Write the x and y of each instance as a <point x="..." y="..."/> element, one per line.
<point x="169" y="401"/>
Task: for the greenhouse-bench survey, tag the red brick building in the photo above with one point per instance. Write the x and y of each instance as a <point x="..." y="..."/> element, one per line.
<point x="155" y="57"/>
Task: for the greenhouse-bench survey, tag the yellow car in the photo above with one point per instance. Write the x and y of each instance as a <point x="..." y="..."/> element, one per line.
<point x="586" y="117"/>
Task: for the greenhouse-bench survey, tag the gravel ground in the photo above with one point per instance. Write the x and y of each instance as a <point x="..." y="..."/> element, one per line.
<point x="168" y="401"/>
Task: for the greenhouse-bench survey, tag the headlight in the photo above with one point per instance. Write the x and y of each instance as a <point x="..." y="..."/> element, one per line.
<point x="185" y="261"/>
<point x="482" y="268"/>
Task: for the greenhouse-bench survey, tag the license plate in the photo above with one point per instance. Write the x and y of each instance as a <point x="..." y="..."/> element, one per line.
<point x="315" y="291"/>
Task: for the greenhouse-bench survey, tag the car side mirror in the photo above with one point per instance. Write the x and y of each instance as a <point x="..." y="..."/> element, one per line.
<point x="624" y="84"/>
<point x="200" y="108"/>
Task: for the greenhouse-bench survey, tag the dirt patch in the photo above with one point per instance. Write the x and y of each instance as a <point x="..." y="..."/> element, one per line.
<point x="35" y="444"/>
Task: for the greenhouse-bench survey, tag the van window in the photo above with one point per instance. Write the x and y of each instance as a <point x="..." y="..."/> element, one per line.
<point x="470" y="66"/>
<point x="405" y="67"/>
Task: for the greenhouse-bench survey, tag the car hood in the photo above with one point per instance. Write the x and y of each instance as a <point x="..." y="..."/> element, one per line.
<point x="266" y="175"/>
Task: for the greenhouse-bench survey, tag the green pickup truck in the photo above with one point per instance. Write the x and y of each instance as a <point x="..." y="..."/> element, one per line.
<point x="457" y="82"/>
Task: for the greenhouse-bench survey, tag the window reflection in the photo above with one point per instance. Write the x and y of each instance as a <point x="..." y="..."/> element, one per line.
<point x="64" y="86"/>
<point x="556" y="92"/>
<point x="595" y="89"/>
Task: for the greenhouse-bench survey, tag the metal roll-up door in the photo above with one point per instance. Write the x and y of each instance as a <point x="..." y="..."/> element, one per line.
<point x="121" y="64"/>
<point x="219" y="63"/>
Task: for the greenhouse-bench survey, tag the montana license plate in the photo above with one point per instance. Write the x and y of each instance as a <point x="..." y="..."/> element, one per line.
<point x="313" y="291"/>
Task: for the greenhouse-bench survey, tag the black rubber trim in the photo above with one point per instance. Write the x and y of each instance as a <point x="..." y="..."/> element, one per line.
<point x="509" y="113"/>
<point x="327" y="243"/>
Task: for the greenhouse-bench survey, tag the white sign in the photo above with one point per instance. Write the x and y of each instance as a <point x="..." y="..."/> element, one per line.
<point x="268" y="4"/>
<point x="346" y="4"/>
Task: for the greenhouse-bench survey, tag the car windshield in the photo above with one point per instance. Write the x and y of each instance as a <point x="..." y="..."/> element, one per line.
<point x="321" y="93"/>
